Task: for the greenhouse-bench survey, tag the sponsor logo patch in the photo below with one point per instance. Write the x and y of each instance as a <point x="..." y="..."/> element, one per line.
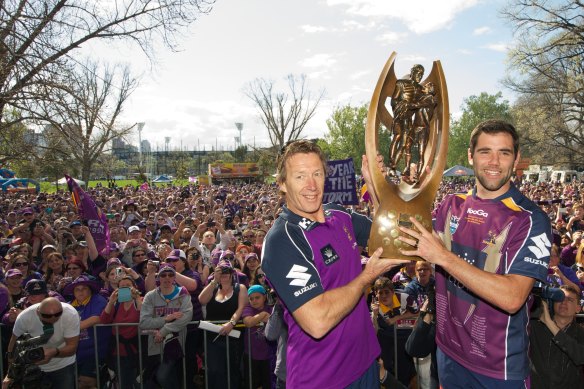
<point x="329" y="255"/>
<point x="299" y="275"/>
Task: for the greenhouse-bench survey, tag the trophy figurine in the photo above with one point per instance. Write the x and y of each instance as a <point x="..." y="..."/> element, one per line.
<point x="418" y="125"/>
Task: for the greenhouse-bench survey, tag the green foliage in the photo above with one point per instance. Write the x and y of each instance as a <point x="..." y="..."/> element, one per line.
<point x="475" y="109"/>
<point x="346" y="136"/>
<point x="240" y="153"/>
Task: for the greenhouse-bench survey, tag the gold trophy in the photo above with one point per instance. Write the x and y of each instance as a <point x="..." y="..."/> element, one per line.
<point x="407" y="185"/>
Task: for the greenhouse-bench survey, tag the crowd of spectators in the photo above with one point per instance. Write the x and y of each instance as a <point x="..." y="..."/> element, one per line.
<point x="182" y="254"/>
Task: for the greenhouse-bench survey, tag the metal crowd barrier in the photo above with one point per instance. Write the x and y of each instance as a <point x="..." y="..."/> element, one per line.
<point x="119" y="373"/>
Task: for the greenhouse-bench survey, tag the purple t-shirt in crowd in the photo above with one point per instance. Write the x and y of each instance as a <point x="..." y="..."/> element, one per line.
<point x="506" y="235"/>
<point x="260" y="348"/>
<point x="302" y="259"/>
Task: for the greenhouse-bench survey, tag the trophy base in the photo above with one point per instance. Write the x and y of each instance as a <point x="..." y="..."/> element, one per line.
<point x="385" y="229"/>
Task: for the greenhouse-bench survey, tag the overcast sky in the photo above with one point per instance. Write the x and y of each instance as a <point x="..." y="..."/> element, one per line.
<point x="195" y="96"/>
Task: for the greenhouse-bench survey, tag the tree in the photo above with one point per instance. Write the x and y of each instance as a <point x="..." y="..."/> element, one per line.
<point x="546" y="70"/>
<point x="475" y="109"/>
<point x="36" y="37"/>
<point x="240" y="153"/>
<point x="346" y="136"/>
<point x="284" y="114"/>
<point x="83" y="111"/>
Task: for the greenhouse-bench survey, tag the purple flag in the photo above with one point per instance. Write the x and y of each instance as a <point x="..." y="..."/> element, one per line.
<point x="91" y="214"/>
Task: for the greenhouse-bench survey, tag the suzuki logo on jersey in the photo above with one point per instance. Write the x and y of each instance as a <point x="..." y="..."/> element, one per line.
<point x="541" y="249"/>
<point x="298" y="275"/>
<point x="478" y="212"/>
<point x="329" y="255"/>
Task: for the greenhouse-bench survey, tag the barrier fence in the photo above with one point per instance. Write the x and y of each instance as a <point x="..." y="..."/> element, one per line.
<point x="142" y="373"/>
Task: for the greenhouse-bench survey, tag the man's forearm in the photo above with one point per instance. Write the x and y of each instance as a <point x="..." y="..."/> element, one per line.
<point x="507" y="292"/>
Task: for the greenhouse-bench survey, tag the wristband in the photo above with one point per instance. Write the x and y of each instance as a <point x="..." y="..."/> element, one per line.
<point x="233" y="322"/>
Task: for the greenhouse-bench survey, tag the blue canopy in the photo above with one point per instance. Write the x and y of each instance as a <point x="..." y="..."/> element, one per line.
<point x="458" y="171"/>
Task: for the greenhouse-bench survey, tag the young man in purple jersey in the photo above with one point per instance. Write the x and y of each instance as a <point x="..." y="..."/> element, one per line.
<point x="311" y="257"/>
<point x="489" y="247"/>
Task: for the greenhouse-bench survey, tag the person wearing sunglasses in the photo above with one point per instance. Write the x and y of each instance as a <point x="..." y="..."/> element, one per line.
<point x="89" y="304"/>
<point x="59" y="363"/>
<point x="166" y="310"/>
<point x="190" y="279"/>
<point x="13" y="282"/>
<point x="23" y="264"/>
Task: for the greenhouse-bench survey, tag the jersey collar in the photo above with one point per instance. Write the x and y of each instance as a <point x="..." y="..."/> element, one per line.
<point x="302" y="222"/>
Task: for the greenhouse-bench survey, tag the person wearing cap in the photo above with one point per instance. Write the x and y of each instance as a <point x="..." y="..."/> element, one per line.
<point x="89" y="304"/>
<point x="166" y="311"/>
<point x="131" y="215"/>
<point x="257" y="349"/>
<point x="45" y="251"/>
<point x="35" y="291"/>
<point x="228" y="255"/>
<point x="135" y="241"/>
<point x="165" y="234"/>
<point x="225" y="300"/>
<point x="23" y="225"/>
<point x="191" y="280"/>
<point x="252" y="267"/>
<point x="58" y="367"/>
<point x="76" y="230"/>
<point x="13" y="281"/>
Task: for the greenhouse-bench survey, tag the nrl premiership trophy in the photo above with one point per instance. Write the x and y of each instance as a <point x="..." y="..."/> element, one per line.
<point x="407" y="184"/>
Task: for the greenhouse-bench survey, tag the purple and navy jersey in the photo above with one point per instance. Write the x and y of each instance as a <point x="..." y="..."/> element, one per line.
<point x="302" y="259"/>
<point x="506" y="235"/>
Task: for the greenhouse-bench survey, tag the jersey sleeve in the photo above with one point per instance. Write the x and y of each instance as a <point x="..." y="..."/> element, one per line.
<point x="529" y="250"/>
<point x="362" y="228"/>
<point x="287" y="261"/>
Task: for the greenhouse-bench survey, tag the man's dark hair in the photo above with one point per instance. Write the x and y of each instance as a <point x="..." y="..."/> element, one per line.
<point x="301" y="146"/>
<point x="492" y="127"/>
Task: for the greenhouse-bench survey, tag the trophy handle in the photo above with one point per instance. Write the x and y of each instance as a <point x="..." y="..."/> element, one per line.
<point x="399" y="202"/>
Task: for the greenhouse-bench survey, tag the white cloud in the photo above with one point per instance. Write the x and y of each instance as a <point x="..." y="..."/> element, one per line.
<point x="352" y="25"/>
<point x="464" y="51"/>
<point x="500" y="47"/>
<point x="319" y="61"/>
<point x="360" y="74"/>
<point x="482" y="30"/>
<point x="414" y="58"/>
<point x="391" y="37"/>
<point x="312" y="29"/>
<point x="420" y="16"/>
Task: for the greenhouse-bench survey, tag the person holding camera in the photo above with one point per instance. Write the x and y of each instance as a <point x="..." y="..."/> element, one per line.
<point x="124" y="306"/>
<point x="557" y="345"/>
<point x="58" y="357"/>
<point x="225" y="299"/>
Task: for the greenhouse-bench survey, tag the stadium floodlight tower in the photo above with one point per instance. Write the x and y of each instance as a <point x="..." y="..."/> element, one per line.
<point x="240" y="129"/>
<point x="140" y="128"/>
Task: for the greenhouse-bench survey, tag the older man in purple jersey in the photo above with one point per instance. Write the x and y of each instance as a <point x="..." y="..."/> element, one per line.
<point x="491" y="245"/>
<point x="311" y="256"/>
